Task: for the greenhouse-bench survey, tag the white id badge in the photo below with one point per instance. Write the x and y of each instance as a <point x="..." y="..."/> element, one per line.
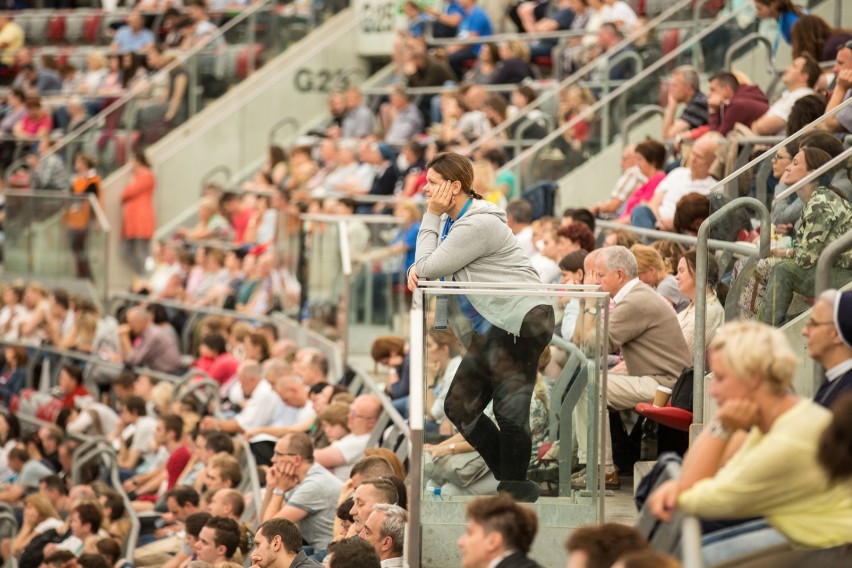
<point x="441" y="312"/>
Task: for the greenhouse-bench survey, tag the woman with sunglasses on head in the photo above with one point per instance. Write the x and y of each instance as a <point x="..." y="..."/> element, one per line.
<point x="464" y="238"/>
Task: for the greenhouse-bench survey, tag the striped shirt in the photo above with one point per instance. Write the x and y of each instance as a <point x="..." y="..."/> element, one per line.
<point x="696" y="114"/>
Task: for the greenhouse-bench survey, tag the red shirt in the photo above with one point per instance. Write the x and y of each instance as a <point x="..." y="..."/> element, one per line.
<point x="176" y="464"/>
<point x="220" y="369"/>
<point x="68" y="401"/>
<point x="240" y="221"/>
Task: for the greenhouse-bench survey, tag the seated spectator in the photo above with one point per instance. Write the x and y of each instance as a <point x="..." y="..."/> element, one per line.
<point x="48" y="169"/>
<point x="814" y="36"/>
<point x="202" y="28"/>
<point x="278" y="542"/>
<point x="340" y="455"/>
<point x="28" y="473"/>
<point x="222" y="471"/>
<point x="40" y="516"/>
<point x="14" y="373"/>
<point x="474" y="23"/>
<point x="619" y="13"/>
<point x="652" y="271"/>
<point x="41" y="81"/>
<point x="144" y="344"/>
<point x="514" y="66"/>
<point x="134" y="434"/>
<point x="534" y="17"/>
<point x="763" y="437"/>
<point x="262" y="408"/>
<point x="660" y="209"/>
<point x="301" y="490"/>
<point x="486" y="65"/>
<point x="238" y="213"/>
<point x="825" y="217"/>
<point x="358" y="120"/>
<point x="384" y="529"/>
<point x="172" y="458"/>
<point x="828" y="334"/>
<point x="367" y="495"/>
<point x="685" y="89"/>
<point x="36" y="123"/>
<point x="353" y="552"/>
<point x="84" y="521"/>
<point x="715" y="315"/>
<point x="218" y="540"/>
<point x="647" y="558"/>
<point x="601" y="546"/>
<point x="71" y="388"/>
<point x="630" y="180"/>
<point x="646" y="329"/>
<point x="215" y="359"/>
<point x="507" y="527"/>
<point x="11" y="40"/>
<point x="731" y="103"/>
<point x="404" y="119"/>
<point x="91" y="418"/>
<point x="133" y="37"/>
<point x="609" y="36"/>
<point x="422" y="69"/>
<point x="576" y="236"/>
<point x="842" y="121"/>
<point x="211" y="225"/>
<point x="650" y="159"/>
<point x="799" y="79"/>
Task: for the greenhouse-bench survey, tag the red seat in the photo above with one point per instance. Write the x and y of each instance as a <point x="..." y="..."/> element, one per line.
<point x="56" y="30"/>
<point x="242" y="66"/>
<point x="670" y="416"/>
<point x="92" y="29"/>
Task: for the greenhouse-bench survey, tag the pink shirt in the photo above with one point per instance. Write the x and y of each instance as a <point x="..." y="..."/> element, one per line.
<point x="32" y="127"/>
<point x="644" y="193"/>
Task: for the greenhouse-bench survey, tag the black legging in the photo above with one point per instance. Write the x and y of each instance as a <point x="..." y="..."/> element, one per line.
<point x="503" y="367"/>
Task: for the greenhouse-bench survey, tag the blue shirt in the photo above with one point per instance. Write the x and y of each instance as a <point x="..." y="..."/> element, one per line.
<point x="129" y="42"/>
<point x="409" y="239"/>
<point x="475" y="22"/>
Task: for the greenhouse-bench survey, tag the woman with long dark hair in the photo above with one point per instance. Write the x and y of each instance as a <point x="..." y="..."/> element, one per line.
<point x="464" y="238"/>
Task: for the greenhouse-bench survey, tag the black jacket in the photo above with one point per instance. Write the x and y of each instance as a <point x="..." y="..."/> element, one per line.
<point x="518" y="560"/>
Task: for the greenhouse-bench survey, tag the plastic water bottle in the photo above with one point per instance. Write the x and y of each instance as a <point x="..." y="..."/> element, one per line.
<point x="433" y="494"/>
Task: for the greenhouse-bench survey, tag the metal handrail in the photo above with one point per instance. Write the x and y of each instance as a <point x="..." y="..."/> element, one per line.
<point x="221" y="168"/>
<point x="701" y="259"/>
<point x="589" y="112"/>
<point x="108" y="452"/>
<point x="647" y="110"/>
<point x="742" y="42"/>
<point x="618" y="59"/>
<point x="690" y="538"/>
<point x="139" y="89"/>
<point x="585" y="70"/>
<point x="497" y="38"/>
<point x="720" y="185"/>
<point x="745" y="249"/>
<point x="394" y="416"/>
<point x="9" y="518"/>
<point x="815" y="174"/>
<point x="254" y="478"/>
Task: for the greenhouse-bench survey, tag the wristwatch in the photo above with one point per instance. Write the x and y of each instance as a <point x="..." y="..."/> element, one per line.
<point x="717" y="430"/>
<point x="278" y="491"/>
<point x="452" y="448"/>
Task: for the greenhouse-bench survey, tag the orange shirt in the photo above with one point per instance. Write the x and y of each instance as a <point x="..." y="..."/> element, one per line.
<point x="79" y="212"/>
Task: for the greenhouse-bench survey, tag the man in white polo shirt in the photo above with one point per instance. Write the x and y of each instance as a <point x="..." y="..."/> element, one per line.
<point x="263" y="407"/>
<point x="340" y="455"/>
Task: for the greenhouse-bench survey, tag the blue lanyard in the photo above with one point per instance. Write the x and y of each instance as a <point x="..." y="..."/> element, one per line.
<point x="450" y="221"/>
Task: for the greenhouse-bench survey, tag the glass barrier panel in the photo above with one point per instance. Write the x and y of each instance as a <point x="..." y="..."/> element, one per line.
<point x="500" y="390"/>
<point x="53" y="235"/>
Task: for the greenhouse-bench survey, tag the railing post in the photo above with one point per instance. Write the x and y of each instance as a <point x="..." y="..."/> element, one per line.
<point x="415" y="421"/>
<point x="702" y="253"/>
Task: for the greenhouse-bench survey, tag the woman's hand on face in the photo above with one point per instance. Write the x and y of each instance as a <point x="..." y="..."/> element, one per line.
<point x="738" y="414"/>
<point x="442" y="199"/>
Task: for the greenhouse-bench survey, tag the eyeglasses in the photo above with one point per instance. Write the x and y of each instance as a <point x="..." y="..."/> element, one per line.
<point x="813" y="323"/>
<point x="777" y="157"/>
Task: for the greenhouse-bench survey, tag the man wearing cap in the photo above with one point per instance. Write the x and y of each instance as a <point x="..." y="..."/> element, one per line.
<point x="829" y="339"/>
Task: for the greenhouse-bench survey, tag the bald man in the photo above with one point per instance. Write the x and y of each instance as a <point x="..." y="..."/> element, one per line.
<point x="340" y="455"/>
<point x="154" y="347"/>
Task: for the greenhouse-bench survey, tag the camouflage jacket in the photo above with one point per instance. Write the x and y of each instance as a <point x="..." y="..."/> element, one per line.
<point x="826" y="217"/>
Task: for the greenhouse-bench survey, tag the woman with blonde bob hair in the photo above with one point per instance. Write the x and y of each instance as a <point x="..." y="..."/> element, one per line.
<point x="758" y="456"/>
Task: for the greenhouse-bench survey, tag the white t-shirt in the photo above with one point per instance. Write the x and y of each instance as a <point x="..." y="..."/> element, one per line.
<point x="263" y="408"/>
<point x="784" y="105"/>
<point x="352" y="447"/>
<point x="547" y="270"/>
<point x="85" y="420"/>
<point x="525" y="239"/>
<point x="143" y="431"/>
<point x="678" y="183"/>
<point x="619" y="11"/>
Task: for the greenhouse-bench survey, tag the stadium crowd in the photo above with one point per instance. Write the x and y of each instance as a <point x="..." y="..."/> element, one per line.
<point x="769" y="468"/>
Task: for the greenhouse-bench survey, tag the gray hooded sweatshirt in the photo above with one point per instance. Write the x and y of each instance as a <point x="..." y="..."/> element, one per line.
<point x="479" y="247"/>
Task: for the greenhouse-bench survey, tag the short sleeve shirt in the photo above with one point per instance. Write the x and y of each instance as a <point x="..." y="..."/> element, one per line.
<point x="264" y="408"/>
<point x="317" y="496"/>
<point x="143" y="436"/>
<point x="844" y="117"/>
<point x="352" y="447"/>
<point x="31" y="474"/>
<point x="696" y="112"/>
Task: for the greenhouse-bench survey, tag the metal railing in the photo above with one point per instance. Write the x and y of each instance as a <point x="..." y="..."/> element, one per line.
<point x="645" y="111"/>
<point x="701" y="260"/>
<point x="611" y="97"/>
<point x="740" y="248"/>
<point x="101" y="449"/>
<point x="763" y="41"/>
